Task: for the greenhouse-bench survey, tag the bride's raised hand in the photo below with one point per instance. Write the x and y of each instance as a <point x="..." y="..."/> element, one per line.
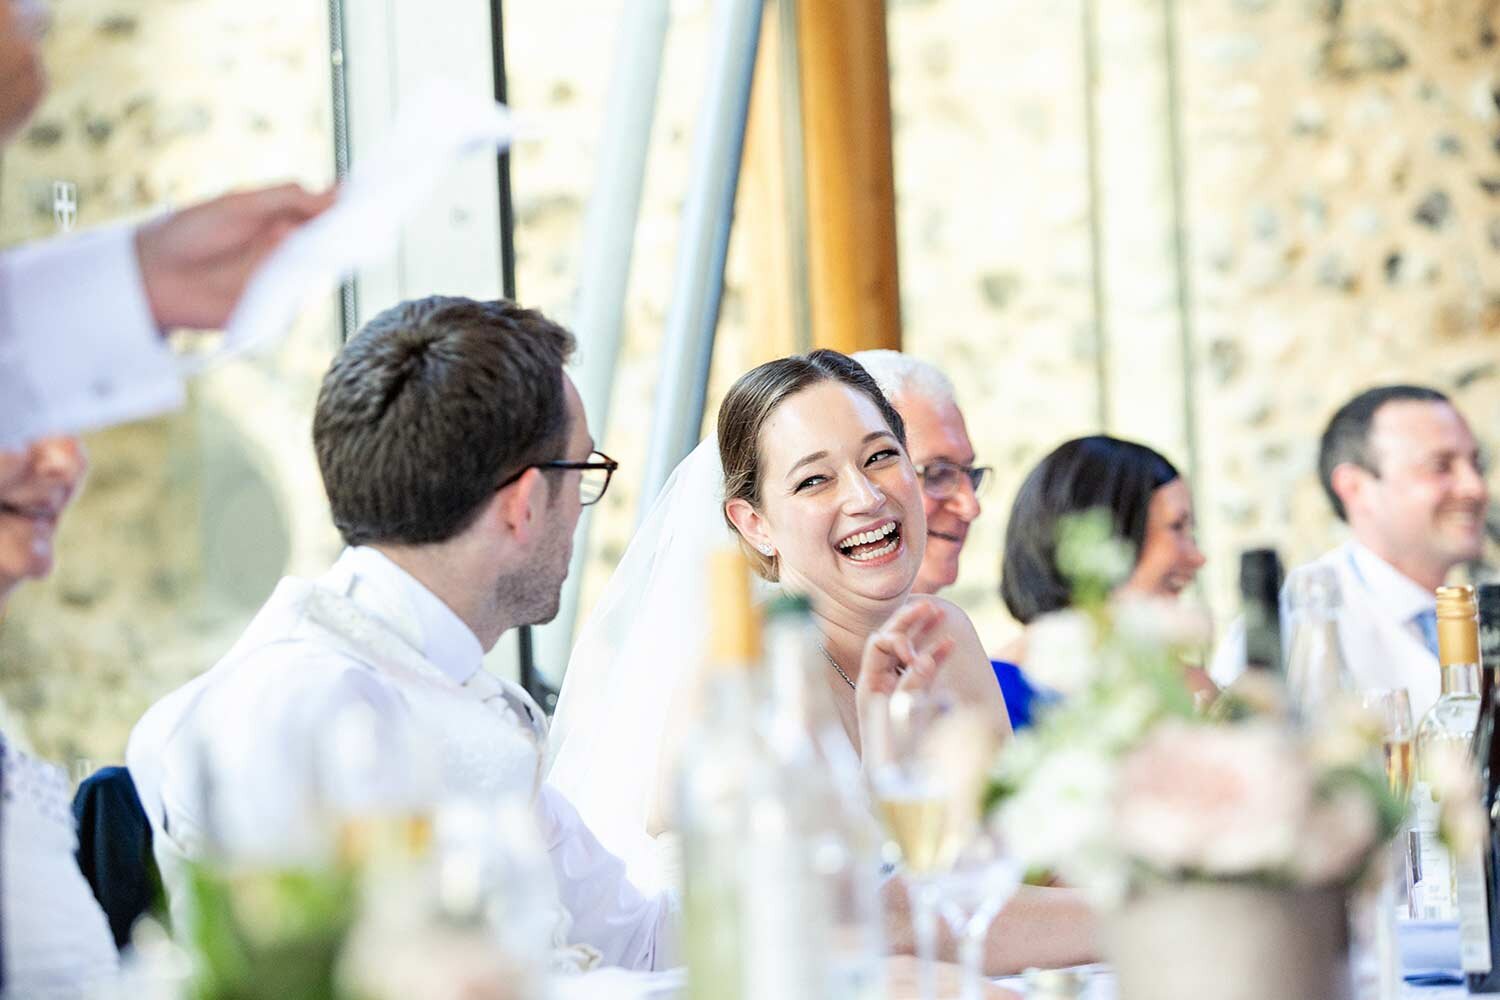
<point x="905" y="653"/>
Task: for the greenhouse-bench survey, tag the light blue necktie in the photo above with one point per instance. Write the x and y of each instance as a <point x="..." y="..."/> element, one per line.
<point x="1427" y="622"/>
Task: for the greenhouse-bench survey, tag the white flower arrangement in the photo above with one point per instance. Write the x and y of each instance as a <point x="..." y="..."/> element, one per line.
<point x="1125" y="782"/>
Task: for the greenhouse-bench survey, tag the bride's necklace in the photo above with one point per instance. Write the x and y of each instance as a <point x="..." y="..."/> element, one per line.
<point x="835" y="664"/>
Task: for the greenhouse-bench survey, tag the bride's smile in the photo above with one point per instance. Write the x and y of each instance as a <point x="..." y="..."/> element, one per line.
<point x="874" y="545"/>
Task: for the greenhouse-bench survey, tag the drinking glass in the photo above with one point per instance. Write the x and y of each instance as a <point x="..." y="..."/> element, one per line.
<point x="1393" y="709"/>
<point x="971" y="893"/>
<point x="920" y="805"/>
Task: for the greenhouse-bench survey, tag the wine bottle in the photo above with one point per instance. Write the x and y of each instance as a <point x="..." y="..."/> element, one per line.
<point x="1260" y="599"/>
<point x="1447" y="727"/>
<point x="717" y="765"/>
<point x="1484" y="970"/>
<point x="812" y="919"/>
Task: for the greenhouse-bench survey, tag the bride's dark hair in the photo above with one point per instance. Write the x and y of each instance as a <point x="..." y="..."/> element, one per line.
<point x="751" y="401"/>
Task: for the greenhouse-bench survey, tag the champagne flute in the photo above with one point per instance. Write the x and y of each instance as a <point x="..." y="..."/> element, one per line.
<point x="983" y="877"/>
<point x="1393" y="709"/>
<point x="914" y="793"/>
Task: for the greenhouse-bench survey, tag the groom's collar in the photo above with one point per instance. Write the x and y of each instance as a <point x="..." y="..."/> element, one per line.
<point x="401" y="601"/>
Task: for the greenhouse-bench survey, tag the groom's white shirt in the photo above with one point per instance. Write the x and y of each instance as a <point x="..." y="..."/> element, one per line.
<point x="368" y="632"/>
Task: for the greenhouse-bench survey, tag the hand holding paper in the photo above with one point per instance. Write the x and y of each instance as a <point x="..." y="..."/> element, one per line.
<point x="196" y="262"/>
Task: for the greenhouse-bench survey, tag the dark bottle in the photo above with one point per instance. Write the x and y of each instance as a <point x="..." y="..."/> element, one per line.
<point x="1260" y="598"/>
<point x="1484" y="970"/>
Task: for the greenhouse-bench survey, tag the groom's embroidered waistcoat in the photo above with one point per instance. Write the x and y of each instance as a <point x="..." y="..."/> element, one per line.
<point x="368" y="634"/>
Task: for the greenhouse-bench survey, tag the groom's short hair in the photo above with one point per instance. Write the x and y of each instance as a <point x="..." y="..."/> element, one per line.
<point x="430" y="407"/>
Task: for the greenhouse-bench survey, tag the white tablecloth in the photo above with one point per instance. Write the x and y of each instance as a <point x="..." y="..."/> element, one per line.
<point x="1428" y="945"/>
<point x="617" y="984"/>
<point x="1102" y="987"/>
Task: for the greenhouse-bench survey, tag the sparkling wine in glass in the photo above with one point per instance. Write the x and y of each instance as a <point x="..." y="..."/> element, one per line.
<point x="1393" y="709"/>
<point x="1399" y="756"/>
<point x="916" y="818"/>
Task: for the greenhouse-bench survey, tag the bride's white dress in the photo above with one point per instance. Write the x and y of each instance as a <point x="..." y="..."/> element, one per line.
<point x="644" y="638"/>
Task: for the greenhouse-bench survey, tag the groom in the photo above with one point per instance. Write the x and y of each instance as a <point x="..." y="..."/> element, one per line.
<point x="456" y="457"/>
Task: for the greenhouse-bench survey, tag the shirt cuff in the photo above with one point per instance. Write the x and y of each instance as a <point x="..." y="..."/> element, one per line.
<point x="79" y="348"/>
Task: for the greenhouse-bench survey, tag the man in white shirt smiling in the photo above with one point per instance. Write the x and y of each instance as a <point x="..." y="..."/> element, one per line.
<point x="1402" y="469"/>
<point x="456" y="457"/>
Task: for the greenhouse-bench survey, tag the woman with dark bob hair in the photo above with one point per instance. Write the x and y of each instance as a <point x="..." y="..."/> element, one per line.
<point x="1150" y="508"/>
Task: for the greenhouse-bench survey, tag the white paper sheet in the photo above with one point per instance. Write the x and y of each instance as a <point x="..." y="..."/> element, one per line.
<point x="438" y="125"/>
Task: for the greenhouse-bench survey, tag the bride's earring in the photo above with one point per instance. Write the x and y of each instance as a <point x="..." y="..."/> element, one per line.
<point x="767" y="551"/>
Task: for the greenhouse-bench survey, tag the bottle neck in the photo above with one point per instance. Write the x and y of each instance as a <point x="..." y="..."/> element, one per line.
<point x="787" y="690"/>
<point x="1460" y="679"/>
<point x="1315" y="640"/>
<point x="1262" y="635"/>
<point x="726" y="694"/>
<point x="792" y="667"/>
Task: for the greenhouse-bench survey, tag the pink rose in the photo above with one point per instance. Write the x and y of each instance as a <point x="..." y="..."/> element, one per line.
<point x="1221" y="800"/>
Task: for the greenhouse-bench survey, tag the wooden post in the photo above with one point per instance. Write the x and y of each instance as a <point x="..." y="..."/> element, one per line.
<point x="851" y="196"/>
<point x="763" y="210"/>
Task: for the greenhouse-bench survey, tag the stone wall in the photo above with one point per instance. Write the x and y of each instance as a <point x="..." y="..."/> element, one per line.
<point x="1345" y="209"/>
<point x="1338" y="178"/>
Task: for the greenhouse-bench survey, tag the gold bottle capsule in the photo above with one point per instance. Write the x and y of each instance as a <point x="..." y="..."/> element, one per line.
<point x="1457" y="625"/>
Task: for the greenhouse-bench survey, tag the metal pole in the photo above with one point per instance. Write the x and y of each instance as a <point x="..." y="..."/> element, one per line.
<point x="526" y="670"/>
<point x="604" y="272"/>
<point x="338" y="57"/>
<point x="1181" y="241"/>
<point x="709" y="209"/>
<point x="1099" y="282"/>
<point x="502" y="162"/>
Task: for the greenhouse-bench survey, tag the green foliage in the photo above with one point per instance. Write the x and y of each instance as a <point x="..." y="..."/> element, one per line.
<point x="1092" y="558"/>
<point x="268" y="934"/>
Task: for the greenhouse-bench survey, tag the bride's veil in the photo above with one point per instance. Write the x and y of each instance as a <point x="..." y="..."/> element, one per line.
<point x="637" y="646"/>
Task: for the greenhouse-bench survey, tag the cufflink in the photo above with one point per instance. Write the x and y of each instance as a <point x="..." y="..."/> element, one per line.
<point x="64" y="205"/>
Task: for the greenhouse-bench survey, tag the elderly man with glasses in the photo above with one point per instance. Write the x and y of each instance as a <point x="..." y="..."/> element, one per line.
<point x="938" y="441"/>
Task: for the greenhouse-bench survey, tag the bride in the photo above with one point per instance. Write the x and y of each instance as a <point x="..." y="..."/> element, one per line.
<point x="809" y="471"/>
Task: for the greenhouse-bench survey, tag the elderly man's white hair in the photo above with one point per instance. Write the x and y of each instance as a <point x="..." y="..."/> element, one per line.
<point x="900" y="374"/>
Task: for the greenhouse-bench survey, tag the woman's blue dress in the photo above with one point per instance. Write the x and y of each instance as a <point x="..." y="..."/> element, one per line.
<point x="1020" y="697"/>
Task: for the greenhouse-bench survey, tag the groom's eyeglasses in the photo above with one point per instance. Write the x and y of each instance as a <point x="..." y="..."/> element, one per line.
<point x="597" y="472"/>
